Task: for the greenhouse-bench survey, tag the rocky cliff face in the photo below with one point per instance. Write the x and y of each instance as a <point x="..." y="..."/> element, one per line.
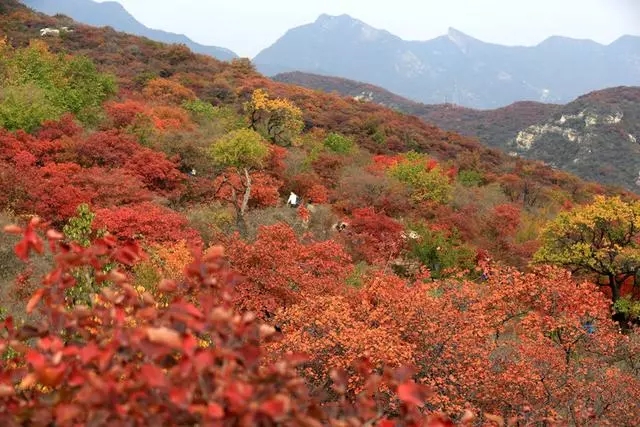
<point x="595" y="137"/>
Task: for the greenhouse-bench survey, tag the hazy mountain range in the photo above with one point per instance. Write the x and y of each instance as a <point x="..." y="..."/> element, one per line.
<point x="112" y="14"/>
<point x="454" y="67"/>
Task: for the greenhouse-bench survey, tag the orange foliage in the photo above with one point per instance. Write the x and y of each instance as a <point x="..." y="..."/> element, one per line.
<point x="172" y="259"/>
<point x="281" y="270"/>
<point x="168" y="92"/>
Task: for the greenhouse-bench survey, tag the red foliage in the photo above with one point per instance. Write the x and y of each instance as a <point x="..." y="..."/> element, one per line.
<point x="504" y="219"/>
<point x="52" y="193"/>
<point x="123" y="114"/>
<point x="136" y="362"/>
<point x="374" y="236"/>
<point x="114" y="187"/>
<point x="166" y="118"/>
<point x="264" y="188"/>
<point x="111" y="148"/>
<point x="66" y="126"/>
<point x="157" y="172"/>
<point x="275" y="161"/>
<point x="280" y="269"/>
<point x="146" y="221"/>
<point x="317" y="194"/>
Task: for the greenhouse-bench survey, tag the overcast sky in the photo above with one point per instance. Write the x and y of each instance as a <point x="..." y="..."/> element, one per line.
<point x="248" y="26"/>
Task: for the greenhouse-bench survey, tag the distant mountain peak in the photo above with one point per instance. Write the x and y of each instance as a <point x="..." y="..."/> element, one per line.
<point x="331" y="22"/>
<point x="345" y="23"/>
<point x="460" y="39"/>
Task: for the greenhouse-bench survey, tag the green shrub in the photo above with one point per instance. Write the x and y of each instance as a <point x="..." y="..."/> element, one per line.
<point x="470" y="178"/>
<point x="338" y="143"/>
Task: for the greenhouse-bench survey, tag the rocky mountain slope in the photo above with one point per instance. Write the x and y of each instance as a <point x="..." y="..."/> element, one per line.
<point x="595" y="136"/>
<point x="112" y="14"/>
<point x="454" y="67"/>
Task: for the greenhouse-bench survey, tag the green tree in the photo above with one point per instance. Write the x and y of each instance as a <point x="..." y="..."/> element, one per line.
<point x="38" y="85"/>
<point x="599" y="238"/>
<point x="25" y="107"/>
<point x="79" y="229"/>
<point x="426" y="182"/>
<point x="239" y="150"/>
<point x="441" y="254"/>
<point x="242" y="149"/>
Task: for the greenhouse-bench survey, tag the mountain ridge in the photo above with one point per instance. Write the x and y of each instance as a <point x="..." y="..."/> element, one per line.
<point x="454" y="66"/>
<point x="113" y="14"/>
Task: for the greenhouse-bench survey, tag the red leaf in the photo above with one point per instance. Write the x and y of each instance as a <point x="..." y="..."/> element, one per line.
<point x="12" y="229"/>
<point x="22" y="250"/>
<point x="67" y="412"/>
<point x="89" y="352"/>
<point x="215" y="411"/>
<point x="275" y="408"/>
<point x="179" y="396"/>
<point x="165" y="336"/>
<point x="153" y="375"/>
<point x="189" y="344"/>
<point x="238" y="394"/>
<point x="6" y="390"/>
<point x="52" y="376"/>
<point x="202" y="360"/>
<point x="34" y="300"/>
<point x="36" y="359"/>
<point x="410" y="393"/>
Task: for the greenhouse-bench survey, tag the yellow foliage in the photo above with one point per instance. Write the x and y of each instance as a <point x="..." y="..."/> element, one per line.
<point x="278" y="119"/>
<point x="599" y="238"/>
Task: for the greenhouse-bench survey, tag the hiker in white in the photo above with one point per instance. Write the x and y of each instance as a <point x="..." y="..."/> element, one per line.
<point x="293" y="199"/>
<point x="49" y="31"/>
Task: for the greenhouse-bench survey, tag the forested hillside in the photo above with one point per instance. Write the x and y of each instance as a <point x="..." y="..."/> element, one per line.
<point x="153" y="272"/>
<point x="595" y="136"/>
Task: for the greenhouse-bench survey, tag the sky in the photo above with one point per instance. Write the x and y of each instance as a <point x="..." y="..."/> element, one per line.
<point x="248" y="26"/>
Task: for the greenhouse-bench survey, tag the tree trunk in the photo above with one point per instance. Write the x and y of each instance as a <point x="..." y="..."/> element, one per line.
<point x="615" y="288"/>
<point x="241" y="211"/>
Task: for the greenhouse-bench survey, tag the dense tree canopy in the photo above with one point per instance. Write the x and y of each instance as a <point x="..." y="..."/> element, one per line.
<point x="600" y="238"/>
<point x="399" y="289"/>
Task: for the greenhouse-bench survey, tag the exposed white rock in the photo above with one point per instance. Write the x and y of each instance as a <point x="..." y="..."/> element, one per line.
<point x="526" y="138"/>
<point x="591" y="120"/>
<point x="613" y="119"/>
<point x="364" y="97"/>
<point x="632" y="138"/>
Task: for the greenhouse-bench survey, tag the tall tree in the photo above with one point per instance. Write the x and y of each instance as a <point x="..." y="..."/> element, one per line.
<point x="239" y="150"/>
<point x="599" y="238"/>
<point x="279" y="119"/>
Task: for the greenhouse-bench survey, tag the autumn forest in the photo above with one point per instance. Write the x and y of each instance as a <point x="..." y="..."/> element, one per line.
<point x="154" y="270"/>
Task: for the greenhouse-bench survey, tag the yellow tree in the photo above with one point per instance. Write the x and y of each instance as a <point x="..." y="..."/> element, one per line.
<point x="599" y="238"/>
<point x="278" y="119"/>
